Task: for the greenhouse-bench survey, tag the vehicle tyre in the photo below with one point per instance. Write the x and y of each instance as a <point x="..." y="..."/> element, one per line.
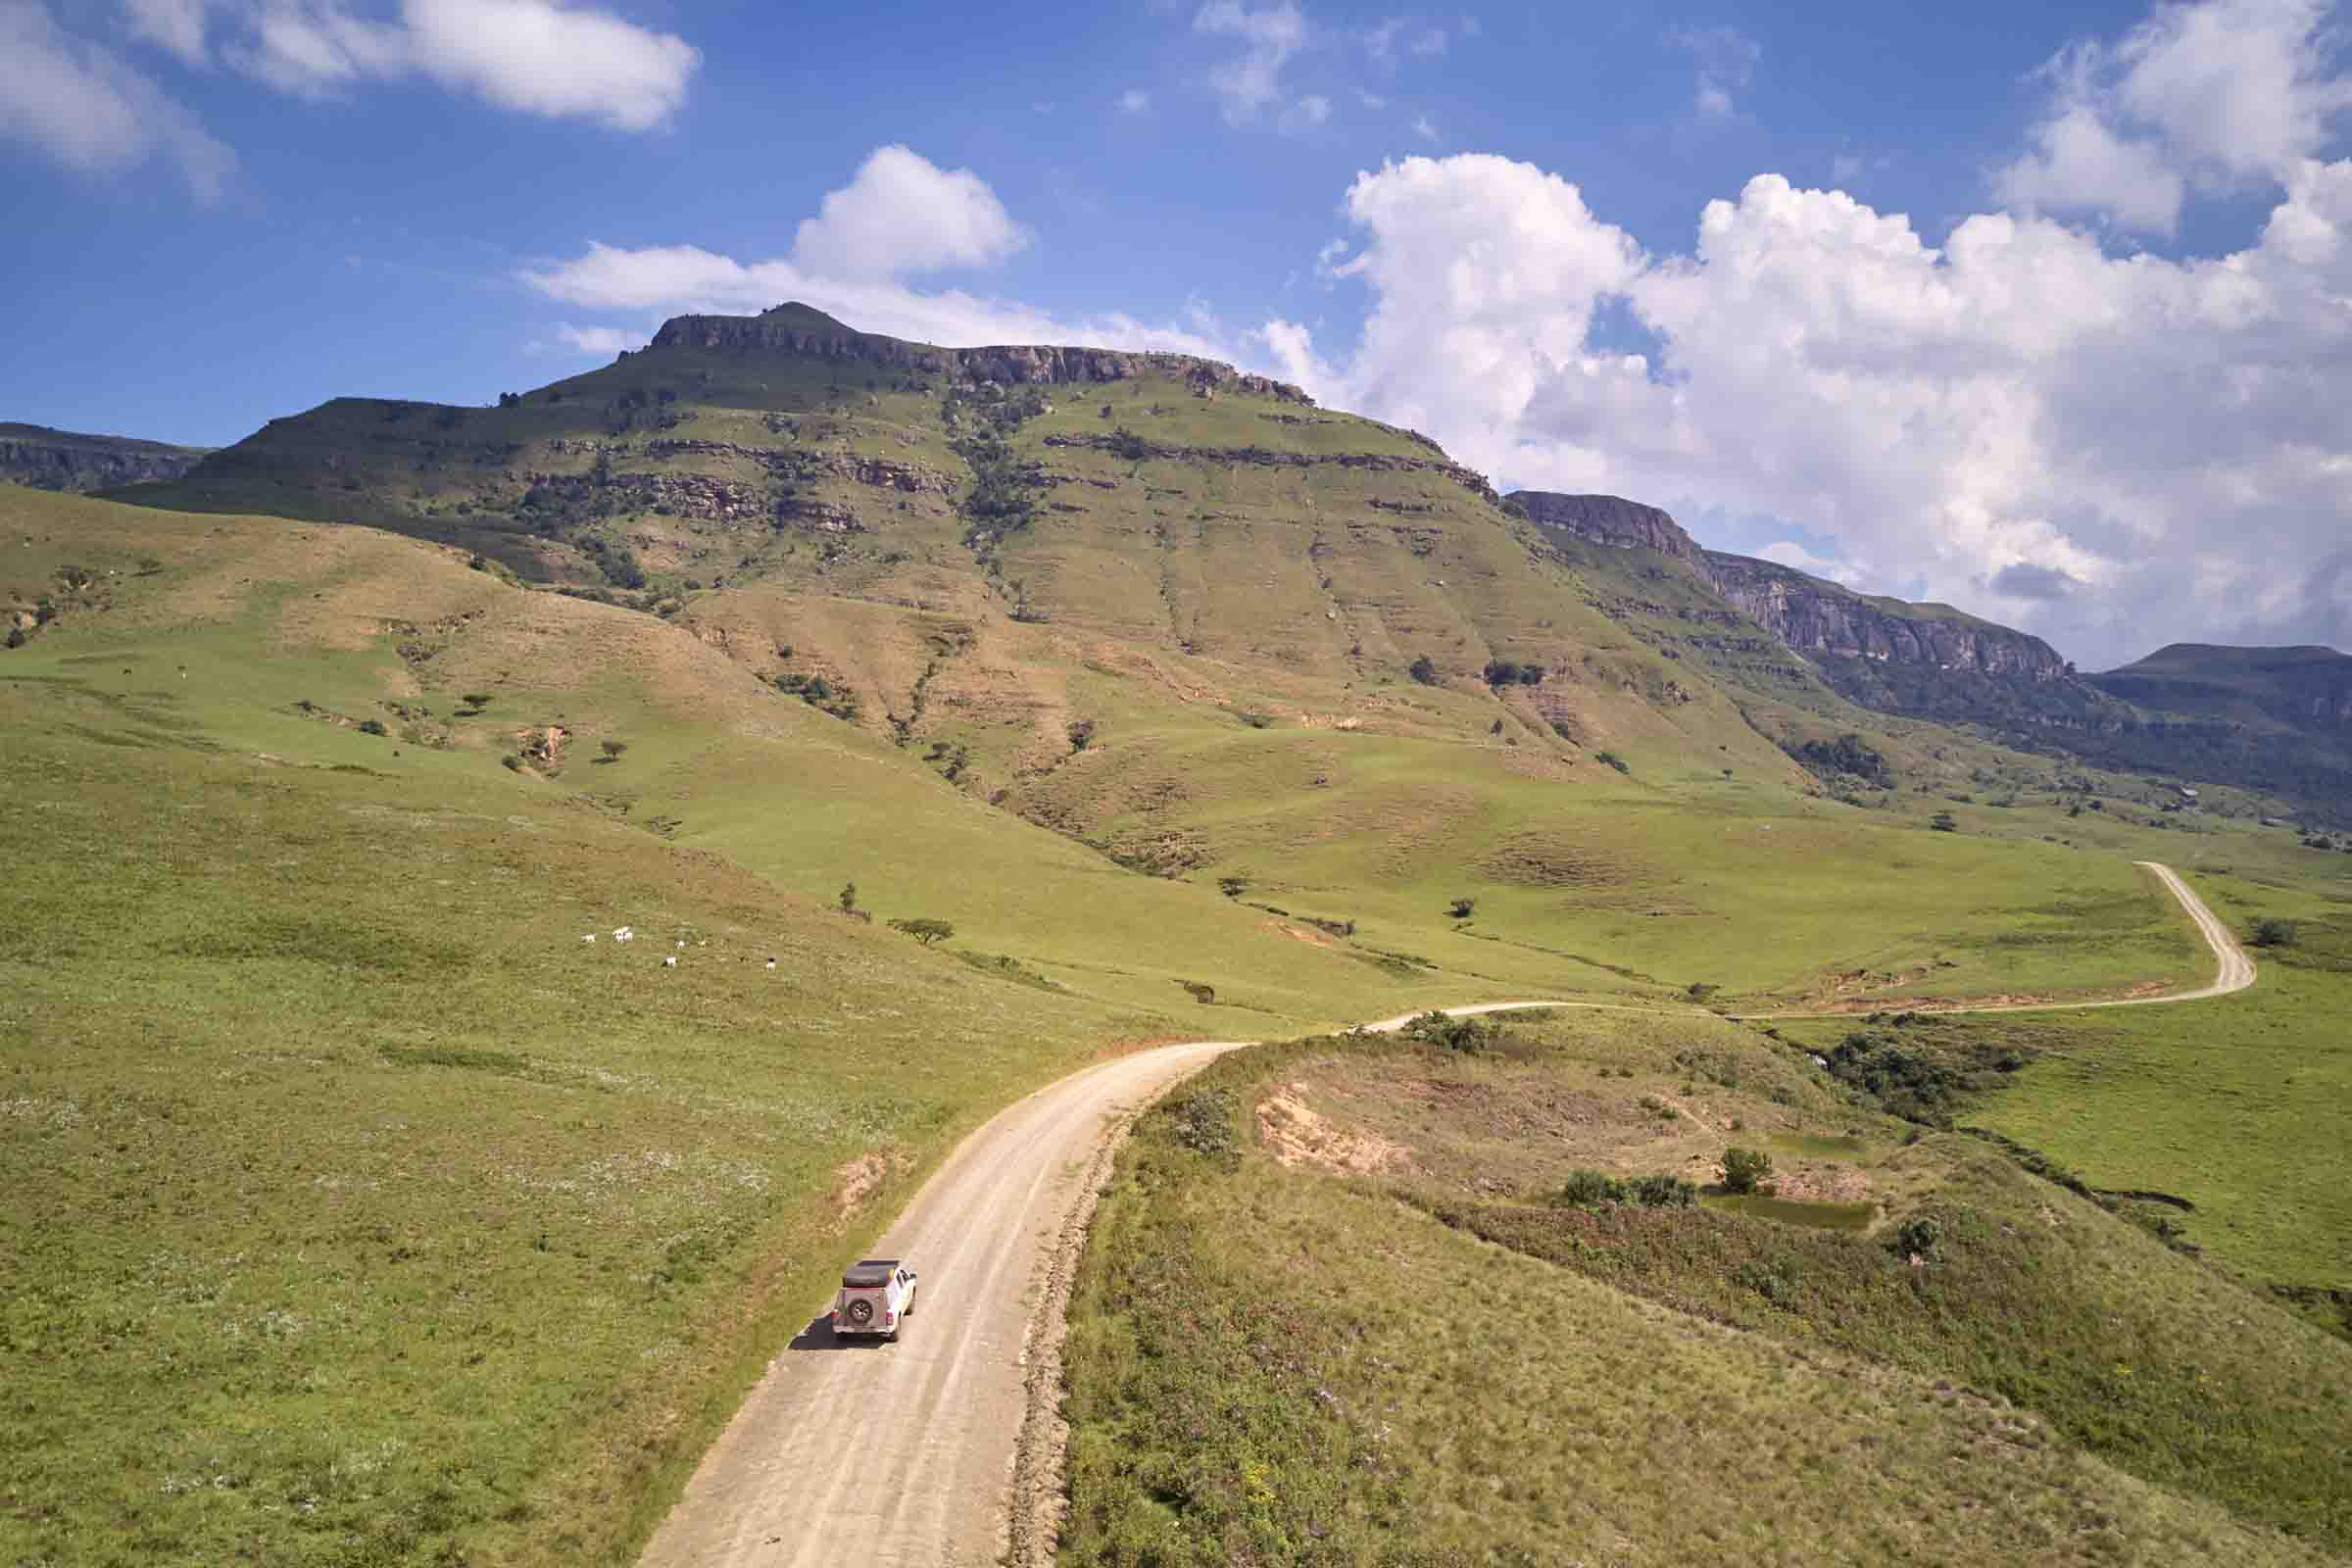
<point x="859" y="1314"/>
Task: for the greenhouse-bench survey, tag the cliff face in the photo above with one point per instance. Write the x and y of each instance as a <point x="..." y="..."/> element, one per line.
<point x="1827" y="621"/>
<point x="44" y="459"/>
<point x="1610" y="520"/>
<point x="797" y="329"/>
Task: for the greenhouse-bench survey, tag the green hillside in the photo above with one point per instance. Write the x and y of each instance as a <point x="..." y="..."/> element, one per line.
<point x="1193" y="709"/>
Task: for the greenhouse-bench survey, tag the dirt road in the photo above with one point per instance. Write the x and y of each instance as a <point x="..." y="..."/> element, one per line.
<point x="944" y="1448"/>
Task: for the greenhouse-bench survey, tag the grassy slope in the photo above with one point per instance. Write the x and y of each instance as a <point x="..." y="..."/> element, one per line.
<point x="1279" y="1365"/>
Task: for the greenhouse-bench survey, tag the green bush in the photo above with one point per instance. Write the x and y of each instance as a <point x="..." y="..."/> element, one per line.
<point x="1745" y="1169"/>
<point x="924" y="931"/>
<point x="373" y="726"/>
<point x="2272" y="934"/>
<point x="1203" y="1122"/>
<point x="1920" y="1237"/>
<point x="1613" y="761"/>
<point x="1589" y="1189"/>
<point x="1776" y="1281"/>
<point x="1466" y="1035"/>
<point x="1663" y="1192"/>
<point x="1463" y="908"/>
<point x="1423" y="670"/>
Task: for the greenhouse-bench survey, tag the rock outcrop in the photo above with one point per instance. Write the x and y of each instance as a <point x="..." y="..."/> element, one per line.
<point x="1610" y="520"/>
<point x="798" y="330"/>
<point x="63" y="459"/>
<point x="1817" y="618"/>
<point x="1827" y="621"/>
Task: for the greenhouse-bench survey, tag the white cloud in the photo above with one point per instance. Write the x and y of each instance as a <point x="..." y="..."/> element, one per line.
<point x="2109" y="450"/>
<point x="2208" y="96"/>
<point x="1727" y="59"/>
<point x="1134" y="101"/>
<point x="1251" y="82"/>
<point x="2079" y="163"/>
<point x="599" y="342"/>
<point x="1370" y="100"/>
<point x="176" y="25"/>
<point x="1429" y="41"/>
<point x="1845" y="166"/>
<point x="1789" y="552"/>
<point x="1425" y="128"/>
<point x="1308" y="112"/>
<point x="88" y="109"/>
<point x="541" y="57"/>
<point x="904" y="214"/>
<point x="900" y="215"/>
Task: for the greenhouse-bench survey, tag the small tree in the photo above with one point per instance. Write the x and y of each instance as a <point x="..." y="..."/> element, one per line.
<point x="1423" y="670"/>
<point x="2272" y="934"/>
<point x="1201" y="993"/>
<point x="613" y="750"/>
<point x="477" y="701"/>
<point x="1233" y="887"/>
<point x="849" y="898"/>
<point x="1745" y="1169"/>
<point x="924" y="931"/>
<point x="1944" y="822"/>
<point x="1463" y="908"/>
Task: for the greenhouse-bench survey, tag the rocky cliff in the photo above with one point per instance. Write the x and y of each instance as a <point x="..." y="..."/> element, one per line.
<point x="799" y="330"/>
<point x="44" y="459"/>
<point x="1827" y="621"/>
<point x="1610" y="520"/>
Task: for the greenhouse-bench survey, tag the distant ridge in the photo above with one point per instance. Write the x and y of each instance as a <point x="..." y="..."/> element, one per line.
<point x="44" y="459"/>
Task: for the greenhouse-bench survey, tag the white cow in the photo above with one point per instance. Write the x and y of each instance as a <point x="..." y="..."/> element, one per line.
<point x="671" y="962"/>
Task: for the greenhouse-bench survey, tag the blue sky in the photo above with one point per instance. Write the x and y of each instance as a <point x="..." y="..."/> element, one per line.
<point x="223" y="211"/>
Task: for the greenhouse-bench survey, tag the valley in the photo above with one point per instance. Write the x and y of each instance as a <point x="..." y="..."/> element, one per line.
<point x="973" y="742"/>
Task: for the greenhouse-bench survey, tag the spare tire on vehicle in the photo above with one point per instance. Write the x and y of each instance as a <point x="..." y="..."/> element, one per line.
<point x="859" y="1313"/>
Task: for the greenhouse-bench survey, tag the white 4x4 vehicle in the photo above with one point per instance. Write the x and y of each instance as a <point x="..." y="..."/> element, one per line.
<point x="876" y="1296"/>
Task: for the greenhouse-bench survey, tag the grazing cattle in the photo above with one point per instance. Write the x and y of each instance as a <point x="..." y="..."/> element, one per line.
<point x="671" y="962"/>
<point x="621" y="933"/>
<point x="771" y="963"/>
<point x="590" y="937"/>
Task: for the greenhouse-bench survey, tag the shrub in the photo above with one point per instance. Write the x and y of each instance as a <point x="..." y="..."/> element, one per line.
<point x="1082" y="734"/>
<point x="1776" y="1281"/>
<point x="1466" y="1035"/>
<point x="846" y="899"/>
<point x="1613" y="761"/>
<point x="512" y="763"/>
<point x="1663" y="1192"/>
<point x="1200" y="992"/>
<point x="2272" y="934"/>
<point x="613" y="750"/>
<point x="1944" y="822"/>
<point x="1202" y="1121"/>
<point x="1463" y="908"/>
<point x="924" y="931"/>
<point x="1920" y="1237"/>
<point x="373" y="726"/>
<point x="1589" y="1189"/>
<point x="1423" y="670"/>
<point x="477" y="701"/>
<point x="1233" y="887"/>
<point x="1254" y="718"/>
<point x="1745" y="1169"/>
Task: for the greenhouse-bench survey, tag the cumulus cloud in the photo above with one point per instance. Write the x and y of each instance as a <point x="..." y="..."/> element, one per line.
<point x="90" y="109"/>
<point x="899" y="216"/>
<point x="903" y="214"/>
<point x="1727" y="59"/>
<point x="540" y="57"/>
<point x="2092" y="446"/>
<point x="1789" y="552"/>
<point x="1310" y="110"/>
<point x="1425" y="128"/>
<point x="1251" y="82"/>
<point x="2208" y="96"/>
<point x="1134" y="101"/>
<point x="599" y="342"/>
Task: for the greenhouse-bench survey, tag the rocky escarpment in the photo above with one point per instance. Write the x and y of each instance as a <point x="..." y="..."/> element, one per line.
<point x="1136" y="447"/>
<point x="1817" y="618"/>
<point x="44" y="459"/>
<point x="1827" y="621"/>
<point x="798" y="330"/>
<point x="1608" y="520"/>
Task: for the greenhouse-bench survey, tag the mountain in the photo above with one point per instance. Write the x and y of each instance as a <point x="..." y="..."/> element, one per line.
<point x="2305" y="688"/>
<point x="42" y="458"/>
<point x="2269" y="720"/>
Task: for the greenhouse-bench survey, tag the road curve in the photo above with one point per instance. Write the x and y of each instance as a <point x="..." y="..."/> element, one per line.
<point x="2234" y="968"/>
<point x="913" y="1453"/>
<point x="906" y="1454"/>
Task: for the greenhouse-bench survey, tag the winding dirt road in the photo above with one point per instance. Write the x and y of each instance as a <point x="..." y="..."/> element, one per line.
<point x="944" y="1448"/>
